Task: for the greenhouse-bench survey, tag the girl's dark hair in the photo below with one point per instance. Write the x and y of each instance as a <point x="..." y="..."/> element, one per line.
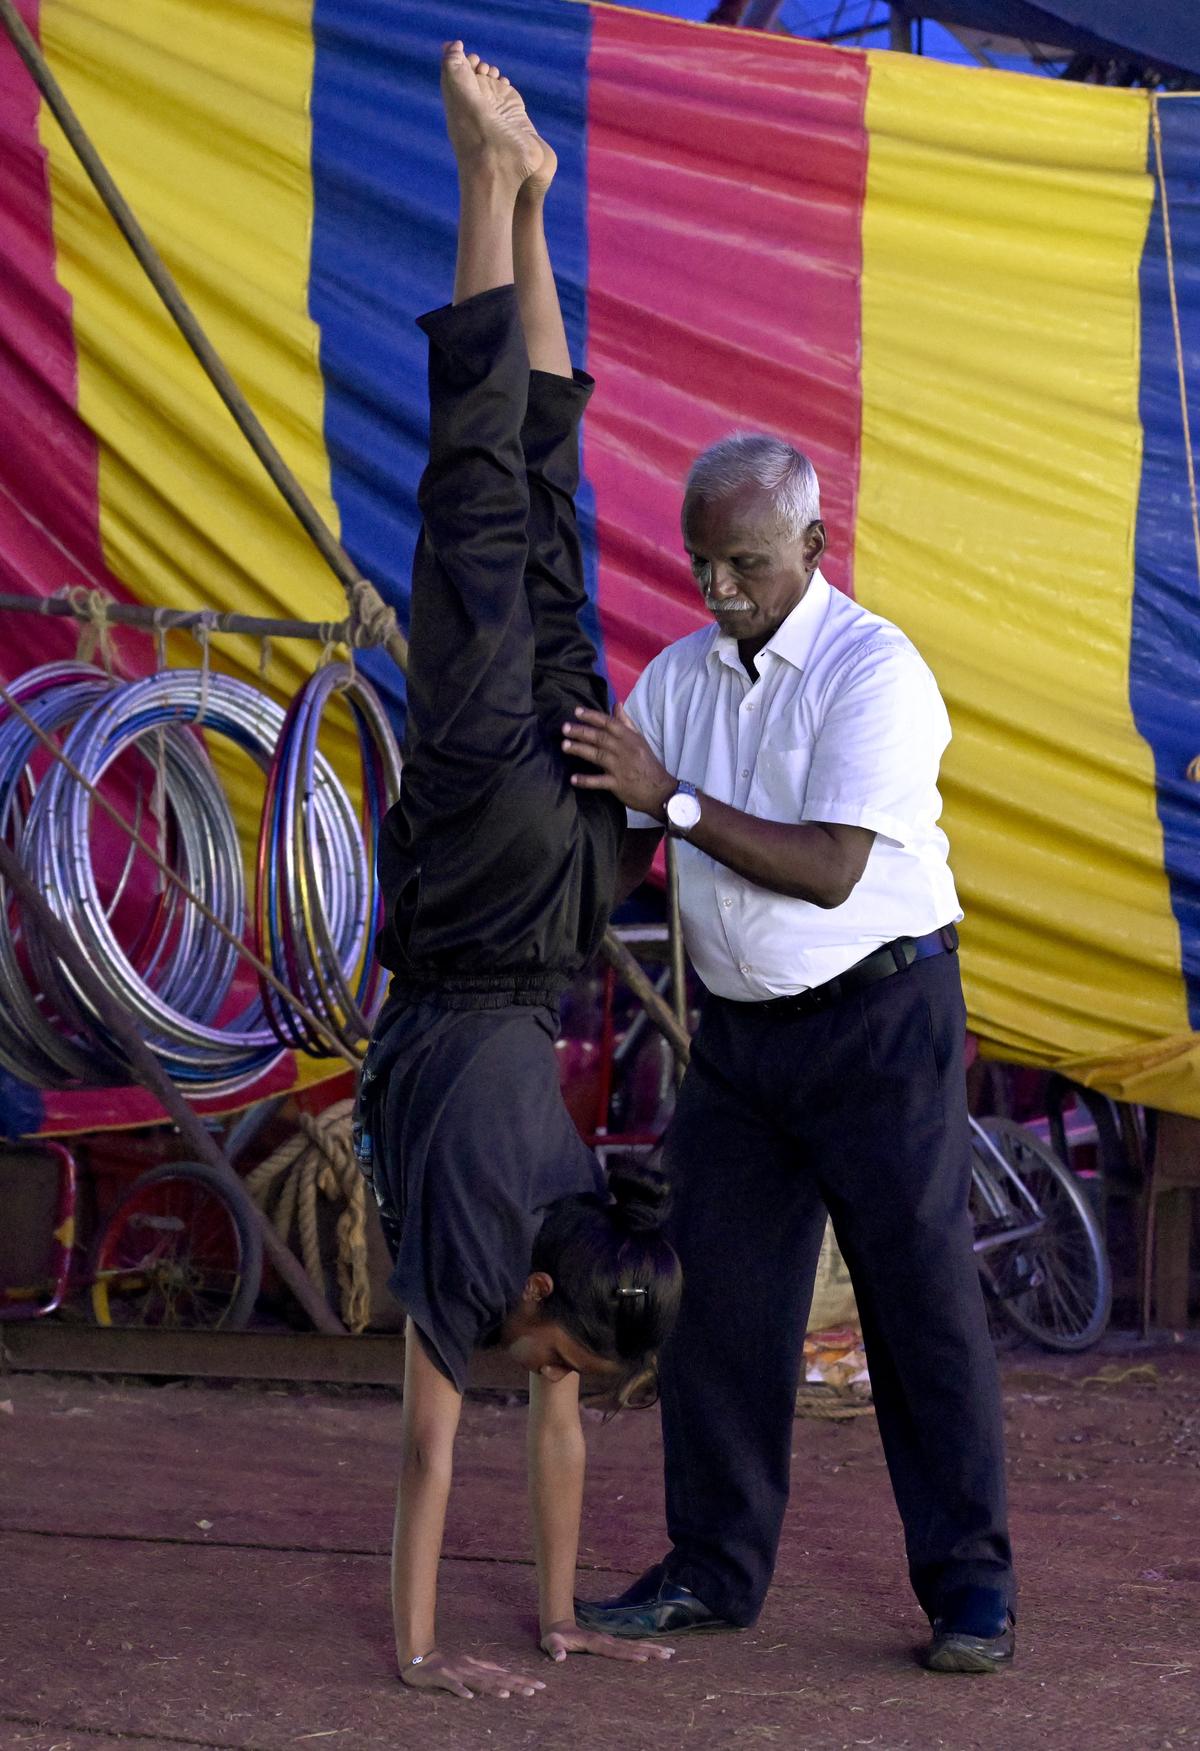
<point x="617" y="1282"/>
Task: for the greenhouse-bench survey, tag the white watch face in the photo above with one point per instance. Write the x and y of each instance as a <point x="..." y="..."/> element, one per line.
<point x="683" y="811"/>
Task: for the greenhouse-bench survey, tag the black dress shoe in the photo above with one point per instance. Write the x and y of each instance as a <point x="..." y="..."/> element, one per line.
<point x="653" y="1606"/>
<point x="973" y="1632"/>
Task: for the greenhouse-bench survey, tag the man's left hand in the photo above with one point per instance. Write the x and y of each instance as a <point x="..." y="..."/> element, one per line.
<point x="628" y="767"/>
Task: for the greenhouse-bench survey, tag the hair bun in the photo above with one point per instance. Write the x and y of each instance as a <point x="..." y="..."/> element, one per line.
<point x="641" y="1193"/>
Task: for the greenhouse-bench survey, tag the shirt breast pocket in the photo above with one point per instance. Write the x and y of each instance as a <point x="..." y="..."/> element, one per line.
<point x="781" y="782"/>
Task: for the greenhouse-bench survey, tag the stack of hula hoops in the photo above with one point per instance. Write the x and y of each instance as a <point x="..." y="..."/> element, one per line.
<point x="161" y="922"/>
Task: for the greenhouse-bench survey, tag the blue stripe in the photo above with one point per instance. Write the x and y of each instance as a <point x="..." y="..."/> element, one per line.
<point x="1164" y="677"/>
<point x="385" y="205"/>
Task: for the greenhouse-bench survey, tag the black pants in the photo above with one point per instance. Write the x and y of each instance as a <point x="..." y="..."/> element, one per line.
<point x="492" y="864"/>
<point x="859" y="1110"/>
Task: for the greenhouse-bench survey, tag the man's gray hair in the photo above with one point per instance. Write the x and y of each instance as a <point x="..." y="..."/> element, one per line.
<point x="756" y="459"/>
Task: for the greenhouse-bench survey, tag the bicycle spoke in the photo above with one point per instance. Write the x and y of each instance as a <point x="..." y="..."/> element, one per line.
<point x="1054" y="1284"/>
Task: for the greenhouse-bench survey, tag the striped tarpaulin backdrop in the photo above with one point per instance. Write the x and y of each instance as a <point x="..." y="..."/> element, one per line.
<point x="951" y="287"/>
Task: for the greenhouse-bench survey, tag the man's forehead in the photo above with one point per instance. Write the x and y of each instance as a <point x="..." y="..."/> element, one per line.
<point x="745" y="515"/>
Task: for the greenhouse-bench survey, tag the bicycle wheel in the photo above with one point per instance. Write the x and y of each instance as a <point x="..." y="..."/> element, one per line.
<point x="181" y="1249"/>
<point x="1055" y="1285"/>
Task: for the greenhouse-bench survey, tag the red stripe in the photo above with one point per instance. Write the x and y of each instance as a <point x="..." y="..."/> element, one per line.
<point x="49" y="500"/>
<point x="726" y="172"/>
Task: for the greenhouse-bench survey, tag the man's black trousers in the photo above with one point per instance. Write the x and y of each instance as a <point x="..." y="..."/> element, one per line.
<point x="859" y="1110"/>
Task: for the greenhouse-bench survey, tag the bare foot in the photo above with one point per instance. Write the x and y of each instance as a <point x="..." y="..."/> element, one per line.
<point x="537" y="183"/>
<point x="486" y="118"/>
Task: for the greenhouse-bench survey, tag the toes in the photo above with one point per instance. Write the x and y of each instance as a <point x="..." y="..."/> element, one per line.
<point x="473" y="61"/>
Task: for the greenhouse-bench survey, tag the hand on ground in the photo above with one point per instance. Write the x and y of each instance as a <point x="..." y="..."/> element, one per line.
<point x="628" y="766"/>
<point x="562" y="1639"/>
<point x="463" y="1675"/>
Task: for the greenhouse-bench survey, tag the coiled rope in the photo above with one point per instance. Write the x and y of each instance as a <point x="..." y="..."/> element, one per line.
<point x="318" y="1163"/>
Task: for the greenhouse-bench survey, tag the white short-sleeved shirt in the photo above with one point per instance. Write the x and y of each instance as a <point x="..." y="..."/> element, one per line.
<point x="844" y="724"/>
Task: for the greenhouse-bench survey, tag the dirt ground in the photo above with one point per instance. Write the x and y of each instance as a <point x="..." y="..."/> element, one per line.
<point x="205" y="1566"/>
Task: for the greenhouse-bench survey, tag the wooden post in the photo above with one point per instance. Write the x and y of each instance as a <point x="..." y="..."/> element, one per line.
<point x="626" y="965"/>
<point x="1171" y="1185"/>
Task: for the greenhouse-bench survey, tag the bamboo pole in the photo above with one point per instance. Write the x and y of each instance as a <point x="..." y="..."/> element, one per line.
<point x="628" y="968"/>
<point x="154" y="1078"/>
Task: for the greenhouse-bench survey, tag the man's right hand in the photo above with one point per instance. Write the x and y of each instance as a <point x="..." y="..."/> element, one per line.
<point x="463" y="1675"/>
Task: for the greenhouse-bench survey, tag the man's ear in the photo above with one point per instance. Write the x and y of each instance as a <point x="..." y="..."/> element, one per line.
<point x="814" y="544"/>
<point x="537" y="1288"/>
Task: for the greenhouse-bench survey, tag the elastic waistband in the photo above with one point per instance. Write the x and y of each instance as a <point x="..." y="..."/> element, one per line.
<point x="536" y="989"/>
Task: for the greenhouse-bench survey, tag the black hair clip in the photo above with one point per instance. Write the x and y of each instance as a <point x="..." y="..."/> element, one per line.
<point x="633" y="1291"/>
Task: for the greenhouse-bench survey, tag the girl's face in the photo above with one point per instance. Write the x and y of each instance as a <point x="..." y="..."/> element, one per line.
<point x="544" y="1348"/>
<point x="541" y="1345"/>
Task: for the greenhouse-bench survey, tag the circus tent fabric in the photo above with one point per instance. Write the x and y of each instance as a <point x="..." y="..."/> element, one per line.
<point x="963" y="292"/>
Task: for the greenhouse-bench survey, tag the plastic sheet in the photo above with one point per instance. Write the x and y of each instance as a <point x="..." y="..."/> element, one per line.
<point x="949" y="284"/>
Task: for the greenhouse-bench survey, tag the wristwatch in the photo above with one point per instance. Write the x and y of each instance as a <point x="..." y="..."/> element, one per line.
<point x="683" y="810"/>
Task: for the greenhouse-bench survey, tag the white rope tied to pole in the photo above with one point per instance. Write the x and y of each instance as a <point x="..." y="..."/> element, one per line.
<point x="95" y="634"/>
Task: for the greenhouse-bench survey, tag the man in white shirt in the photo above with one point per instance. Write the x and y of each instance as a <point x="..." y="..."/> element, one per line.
<point x="792" y="749"/>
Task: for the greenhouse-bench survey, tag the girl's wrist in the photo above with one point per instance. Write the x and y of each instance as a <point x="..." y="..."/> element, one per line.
<point x="416" y="1646"/>
<point x="552" y="1620"/>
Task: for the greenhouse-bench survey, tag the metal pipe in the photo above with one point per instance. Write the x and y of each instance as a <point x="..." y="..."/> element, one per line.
<point x="761" y="14"/>
<point x="178" y="619"/>
<point x="154" y="1079"/>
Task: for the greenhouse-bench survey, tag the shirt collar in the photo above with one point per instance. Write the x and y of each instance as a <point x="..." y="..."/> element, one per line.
<point x="793" y="641"/>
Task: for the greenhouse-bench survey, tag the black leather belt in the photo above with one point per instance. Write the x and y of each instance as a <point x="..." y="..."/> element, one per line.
<point x="893" y="957"/>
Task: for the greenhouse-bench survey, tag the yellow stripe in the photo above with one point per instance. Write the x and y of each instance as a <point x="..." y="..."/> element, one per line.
<point x="200" y="108"/>
<point x="1001" y="450"/>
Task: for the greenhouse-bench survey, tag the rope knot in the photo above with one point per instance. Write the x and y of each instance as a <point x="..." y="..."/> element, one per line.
<point x="96" y="632"/>
<point x="372" y="622"/>
<point x="318" y="1161"/>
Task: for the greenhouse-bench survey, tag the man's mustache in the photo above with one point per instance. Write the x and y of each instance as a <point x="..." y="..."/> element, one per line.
<point x="715" y="607"/>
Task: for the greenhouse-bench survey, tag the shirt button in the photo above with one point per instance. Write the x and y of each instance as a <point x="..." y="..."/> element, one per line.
<point x="749" y="705"/>
<point x="743" y="968"/>
<point x="745" y="772"/>
<point x="727" y="901"/>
